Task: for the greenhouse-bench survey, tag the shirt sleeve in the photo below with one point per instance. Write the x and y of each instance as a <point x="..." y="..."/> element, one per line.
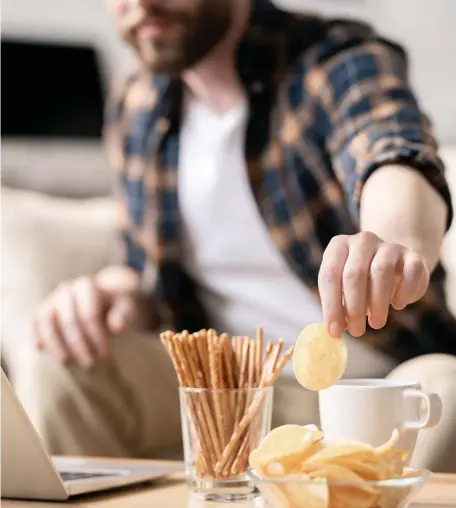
<point x="127" y="251"/>
<point x="373" y="117"/>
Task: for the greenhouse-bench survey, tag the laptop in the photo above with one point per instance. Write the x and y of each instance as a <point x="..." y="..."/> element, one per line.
<point x="29" y="472"/>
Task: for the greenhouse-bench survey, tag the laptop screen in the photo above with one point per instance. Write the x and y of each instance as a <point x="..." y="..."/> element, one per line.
<point x="50" y="90"/>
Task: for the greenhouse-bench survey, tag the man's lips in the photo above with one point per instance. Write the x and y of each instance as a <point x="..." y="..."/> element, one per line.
<point x="155" y="28"/>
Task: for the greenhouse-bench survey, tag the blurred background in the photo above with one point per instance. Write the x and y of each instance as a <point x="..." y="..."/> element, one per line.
<point x="58" y="57"/>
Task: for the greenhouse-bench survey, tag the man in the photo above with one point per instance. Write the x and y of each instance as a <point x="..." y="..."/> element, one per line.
<point x="272" y="170"/>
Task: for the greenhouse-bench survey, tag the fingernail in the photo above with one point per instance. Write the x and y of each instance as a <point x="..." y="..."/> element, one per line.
<point x="334" y="329"/>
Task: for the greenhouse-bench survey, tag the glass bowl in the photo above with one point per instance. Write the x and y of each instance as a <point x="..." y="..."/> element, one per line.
<point x="300" y="491"/>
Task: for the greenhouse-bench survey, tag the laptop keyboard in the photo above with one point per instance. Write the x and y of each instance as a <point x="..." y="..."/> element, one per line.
<point x="71" y="476"/>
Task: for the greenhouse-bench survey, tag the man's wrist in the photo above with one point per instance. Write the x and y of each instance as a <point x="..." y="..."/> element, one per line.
<point x="118" y="279"/>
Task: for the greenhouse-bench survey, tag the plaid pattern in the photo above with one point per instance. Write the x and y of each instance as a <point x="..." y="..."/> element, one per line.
<point x="330" y="103"/>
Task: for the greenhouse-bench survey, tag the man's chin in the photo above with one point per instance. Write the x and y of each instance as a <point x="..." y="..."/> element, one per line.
<point x="171" y="63"/>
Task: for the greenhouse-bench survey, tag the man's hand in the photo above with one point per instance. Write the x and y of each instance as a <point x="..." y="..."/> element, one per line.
<point x="74" y="322"/>
<point x="361" y="276"/>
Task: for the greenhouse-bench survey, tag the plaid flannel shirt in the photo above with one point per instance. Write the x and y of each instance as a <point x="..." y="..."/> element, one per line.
<point x="329" y="104"/>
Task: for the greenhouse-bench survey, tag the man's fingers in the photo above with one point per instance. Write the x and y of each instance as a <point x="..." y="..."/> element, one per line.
<point x="48" y="335"/>
<point x="37" y="339"/>
<point x="89" y="311"/>
<point x="330" y="285"/>
<point x="382" y="283"/>
<point x="355" y="281"/>
<point x="414" y="281"/>
<point x="72" y="331"/>
<point x="122" y="314"/>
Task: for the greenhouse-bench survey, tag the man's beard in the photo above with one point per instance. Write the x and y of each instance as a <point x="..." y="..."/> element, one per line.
<point x="198" y="35"/>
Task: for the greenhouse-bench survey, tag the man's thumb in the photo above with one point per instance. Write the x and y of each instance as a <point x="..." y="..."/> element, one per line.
<point x="121" y="315"/>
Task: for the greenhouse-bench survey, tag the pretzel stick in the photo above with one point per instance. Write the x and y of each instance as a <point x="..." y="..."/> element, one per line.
<point x="228" y="398"/>
<point x="223" y="430"/>
<point x="252" y="412"/>
<point x="215" y="372"/>
<point x="201" y="344"/>
<point x="206" y="467"/>
<point x="197" y="371"/>
<point x="273" y="358"/>
<point x="235" y="469"/>
<point x="238" y="356"/>
<point x="236" y="373"/>
<point x="224" y="395"/>
<point x="259" y="355"/>
<point x="251" y="371"/>
<point x="279" y="346"/>
<point x="202" y="398"/>
<point x="228" y="363"/>
<point x="250" y="382"/>
<point x="242" y="380"/>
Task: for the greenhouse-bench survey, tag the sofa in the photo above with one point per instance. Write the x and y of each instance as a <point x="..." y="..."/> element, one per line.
<point x="55" y="228"/>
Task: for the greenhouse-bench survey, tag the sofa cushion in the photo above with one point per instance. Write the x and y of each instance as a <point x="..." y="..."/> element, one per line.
<point x="46" y="240"/>
<point x="70" y="169"/>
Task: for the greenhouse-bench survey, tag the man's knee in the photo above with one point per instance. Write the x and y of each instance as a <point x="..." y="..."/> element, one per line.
<point x="43" y="386"/>
<point x="436" y="447"/>
<point x="75" y="411"/>
<point x="436" y="374"/>
<point x="434" y="370"/>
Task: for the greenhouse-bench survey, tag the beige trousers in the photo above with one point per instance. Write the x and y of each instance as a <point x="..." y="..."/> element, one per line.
<point x="128" y="406"/>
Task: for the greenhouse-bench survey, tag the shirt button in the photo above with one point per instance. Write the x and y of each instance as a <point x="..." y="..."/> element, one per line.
<point x="163" y="125"/>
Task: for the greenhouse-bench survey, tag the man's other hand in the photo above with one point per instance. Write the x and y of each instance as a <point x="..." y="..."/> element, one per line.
<point x="361" y="276"/>
<point x="75" y="321"/>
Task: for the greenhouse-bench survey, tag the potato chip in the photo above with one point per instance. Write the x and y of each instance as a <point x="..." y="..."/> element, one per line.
<point x="338" y="474"/>
<point x="286" y="442"/>
<point x="364" y="467"/>
<point x="394" y="462"/>
<point x="274" y="495"/>
<point x="292" y="462"/>
<point x="412" y="473"/>
<point x="273" y="469"/>
<point x="346" y="488"/>
<point x="319" y="360"/>
<point x="341" y="450"/>
<point x="352" y="497"/>
<point x="330" y="474"/>
<point x="314" y="494"/>
<point x="390" y="444"/>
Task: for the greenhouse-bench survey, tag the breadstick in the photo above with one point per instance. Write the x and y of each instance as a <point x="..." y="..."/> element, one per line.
<point x="214" y="371"/>
<point x="259" y="356"/>
<point x="201" y="344"/>
<point x="225" y="422"/>
<point x="242" y="380"/>
<point x="253" y="410"/>
<point x="197" y="419"/>
<point x="229" y="398"/>
<point x="206" y="420"/>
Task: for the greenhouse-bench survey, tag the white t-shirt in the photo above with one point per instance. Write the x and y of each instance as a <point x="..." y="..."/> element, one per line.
<point x="244" y="281"/>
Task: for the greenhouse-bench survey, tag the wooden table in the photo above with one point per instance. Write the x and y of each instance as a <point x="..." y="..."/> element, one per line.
<point x="171" y="492"/>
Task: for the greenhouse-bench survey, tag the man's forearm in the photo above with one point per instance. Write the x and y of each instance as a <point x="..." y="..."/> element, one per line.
<point x="400" y="206"/>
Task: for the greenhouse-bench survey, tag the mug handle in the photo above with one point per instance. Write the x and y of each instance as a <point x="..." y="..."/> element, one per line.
<point x="433" y="409"/>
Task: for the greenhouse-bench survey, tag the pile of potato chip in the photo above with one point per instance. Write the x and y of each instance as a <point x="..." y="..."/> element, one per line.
<point x="328" y="475"/>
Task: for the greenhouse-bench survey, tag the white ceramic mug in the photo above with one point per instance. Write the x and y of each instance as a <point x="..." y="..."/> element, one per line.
<point x="368" y="410"/>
